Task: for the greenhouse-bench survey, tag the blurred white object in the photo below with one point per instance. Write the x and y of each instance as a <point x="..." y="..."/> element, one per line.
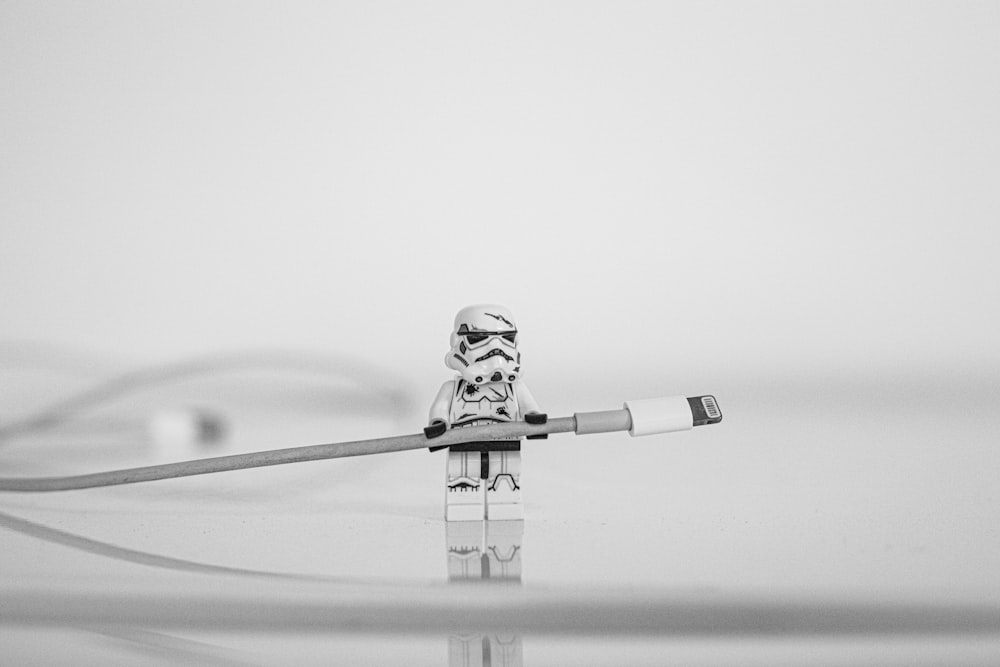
<point x="175" y="428"/>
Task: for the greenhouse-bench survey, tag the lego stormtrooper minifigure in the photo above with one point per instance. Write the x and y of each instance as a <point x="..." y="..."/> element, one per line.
<point x="483" y="478"/>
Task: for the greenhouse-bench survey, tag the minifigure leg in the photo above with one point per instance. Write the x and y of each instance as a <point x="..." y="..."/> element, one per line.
<point x="464" y="490"/>
<point x="503" y="487"/>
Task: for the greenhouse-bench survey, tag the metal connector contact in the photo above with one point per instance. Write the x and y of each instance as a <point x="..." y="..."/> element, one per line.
<point x="704" y="410"/>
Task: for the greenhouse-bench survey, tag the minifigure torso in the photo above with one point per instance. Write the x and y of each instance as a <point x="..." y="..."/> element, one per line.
<point x="473" y="405"/>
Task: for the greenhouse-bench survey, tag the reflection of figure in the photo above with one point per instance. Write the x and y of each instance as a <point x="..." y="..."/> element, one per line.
<point x="484" y="651"/>
<point x="484" y="550"/>
<point x="488" y="552"/>
<point x="483" y="478"/>
<point x="503" y="550"/>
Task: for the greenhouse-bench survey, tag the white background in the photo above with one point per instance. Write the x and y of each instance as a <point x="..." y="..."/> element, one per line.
<point x="775" y="187"/>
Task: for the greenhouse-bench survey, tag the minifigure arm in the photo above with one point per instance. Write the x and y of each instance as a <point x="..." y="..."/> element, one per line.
<point x="441" y="407"/>
<point x="525" y="401"/>
<point x="529" y="409"/>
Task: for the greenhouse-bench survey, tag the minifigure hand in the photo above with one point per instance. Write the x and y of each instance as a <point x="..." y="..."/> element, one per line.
<point x="436" y="429"/>
<point x="537" y="418"/>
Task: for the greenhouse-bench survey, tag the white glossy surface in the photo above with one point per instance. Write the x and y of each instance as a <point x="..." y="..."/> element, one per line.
<point x="817" y="523"/>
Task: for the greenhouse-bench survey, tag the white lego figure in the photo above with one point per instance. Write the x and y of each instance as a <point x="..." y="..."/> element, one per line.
<point x="483" y="478"/>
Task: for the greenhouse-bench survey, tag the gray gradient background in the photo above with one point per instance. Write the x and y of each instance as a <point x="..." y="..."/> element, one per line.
<point x="787" y="186"/>
<point x="793" y="206"/>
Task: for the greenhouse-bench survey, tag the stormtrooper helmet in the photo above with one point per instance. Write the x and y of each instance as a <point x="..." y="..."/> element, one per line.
<point x="484" y="345"/>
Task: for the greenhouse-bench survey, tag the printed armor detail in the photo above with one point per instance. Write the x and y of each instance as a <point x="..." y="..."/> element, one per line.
<point x="473" y="405"/>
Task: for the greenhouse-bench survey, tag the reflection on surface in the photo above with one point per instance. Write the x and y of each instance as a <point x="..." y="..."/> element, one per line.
<point x="484" y="552"/>
<point x="100" y="548"/>
<point x="157" y="645"/>
<point x="39" y="531"/>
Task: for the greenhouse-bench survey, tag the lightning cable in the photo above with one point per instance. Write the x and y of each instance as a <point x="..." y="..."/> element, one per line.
<point x="644" y="417"/>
